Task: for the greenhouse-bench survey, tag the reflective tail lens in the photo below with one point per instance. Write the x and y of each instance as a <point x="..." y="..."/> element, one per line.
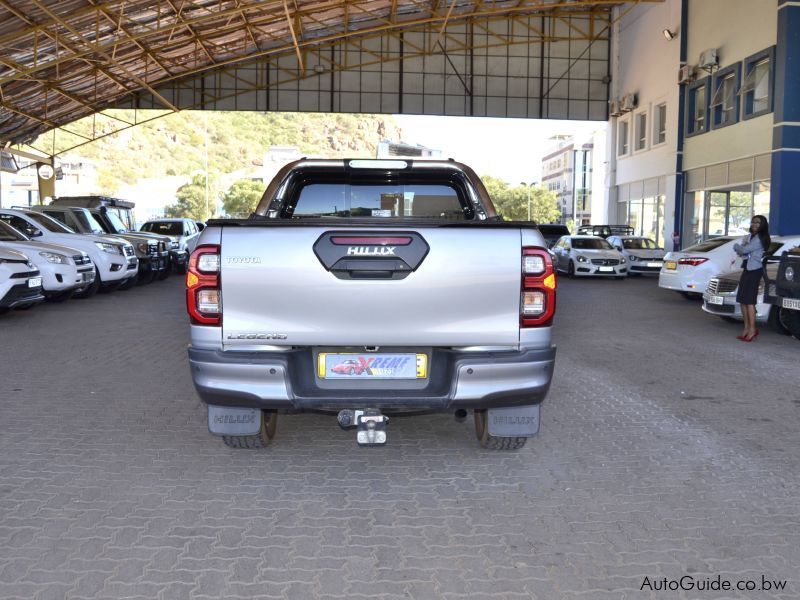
<point x="538" y="288"/>
<point x="203" y="293"/>
<point x="692" y="261"/>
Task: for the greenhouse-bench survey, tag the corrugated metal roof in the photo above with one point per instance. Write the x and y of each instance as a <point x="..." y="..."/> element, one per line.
<point x="61" y="60"/>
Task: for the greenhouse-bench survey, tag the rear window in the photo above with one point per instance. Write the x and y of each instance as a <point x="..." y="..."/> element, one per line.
<point x="708" y="245"/>
<point x="589" y="244"/>
<point x="379" y="201"/>
<point x="639" y="244"/>
<point x="164" y="228"/>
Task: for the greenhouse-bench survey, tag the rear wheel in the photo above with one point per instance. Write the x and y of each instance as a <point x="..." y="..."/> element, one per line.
<point x="775" y="321"/>
<point x="269" y="423"/>
<point x="493" y="442"/>
<point x="790" y="319"/>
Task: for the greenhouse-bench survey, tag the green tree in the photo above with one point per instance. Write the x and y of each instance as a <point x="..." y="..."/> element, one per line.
<point x="242" y="197"/>
<point x="191" y="198"/>
<point x="512" y="202"/>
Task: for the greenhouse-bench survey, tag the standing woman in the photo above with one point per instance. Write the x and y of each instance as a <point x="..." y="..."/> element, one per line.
<point x="752" y="249"/>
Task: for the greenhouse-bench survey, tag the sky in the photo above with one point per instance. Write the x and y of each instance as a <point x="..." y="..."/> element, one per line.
<point x="511" y="149"/>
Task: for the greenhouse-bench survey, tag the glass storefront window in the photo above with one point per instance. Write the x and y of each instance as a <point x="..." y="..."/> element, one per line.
<point x="761" y="198"/>
<point x="717" y="207"/>
<point x="693" y="218"/>
<point x="740" y="210"/>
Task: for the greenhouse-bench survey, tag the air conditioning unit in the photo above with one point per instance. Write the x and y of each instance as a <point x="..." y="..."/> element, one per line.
<point x="708" y="59"/>
<point x="629" y="102"/>
<point x="686" y="74"/>
<point x="615" y="110"/>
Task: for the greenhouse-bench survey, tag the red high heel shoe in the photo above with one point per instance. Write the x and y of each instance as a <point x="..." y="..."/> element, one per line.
<point x="752" y="337"/>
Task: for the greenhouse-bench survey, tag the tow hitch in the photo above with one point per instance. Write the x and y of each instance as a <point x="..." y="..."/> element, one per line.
<point x="370" y="425"/>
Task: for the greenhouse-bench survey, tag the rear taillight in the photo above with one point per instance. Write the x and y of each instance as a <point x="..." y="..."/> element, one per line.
<point x="538" y="294"/>
<point x="203" y="290"/>
<point x="692" y="261"/>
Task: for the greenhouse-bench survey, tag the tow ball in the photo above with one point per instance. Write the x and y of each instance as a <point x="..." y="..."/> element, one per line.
<point x="370" y="425"/>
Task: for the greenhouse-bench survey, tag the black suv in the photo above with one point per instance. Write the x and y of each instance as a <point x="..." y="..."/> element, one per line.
<point x="784" y="290"/>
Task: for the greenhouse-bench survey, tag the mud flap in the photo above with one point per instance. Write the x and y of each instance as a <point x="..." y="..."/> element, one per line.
<point x="518" y="421"/>
<point x="226" y="420"/>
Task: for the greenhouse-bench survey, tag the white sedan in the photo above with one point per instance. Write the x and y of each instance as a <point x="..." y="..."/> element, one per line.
<point x="588" y="255"/>
<point x="688" y="271"/>
<point x="642" y="253"/>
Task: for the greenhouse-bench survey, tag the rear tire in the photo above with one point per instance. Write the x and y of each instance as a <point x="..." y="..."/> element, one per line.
<point x="775" y="321"/>
<point x="269" y="423"/>
<point x="790" y="319"/>
<point x="493" y="442"/>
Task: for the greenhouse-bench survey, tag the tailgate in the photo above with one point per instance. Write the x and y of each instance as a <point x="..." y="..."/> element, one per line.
<point x="464" y="292"/>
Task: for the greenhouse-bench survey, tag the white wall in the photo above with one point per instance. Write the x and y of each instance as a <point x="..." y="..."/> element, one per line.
<point x="737" y="29"/>
<point x="647" y="64"/>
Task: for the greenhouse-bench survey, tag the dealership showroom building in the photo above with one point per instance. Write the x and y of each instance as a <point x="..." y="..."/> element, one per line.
<point x="663" y="461"/>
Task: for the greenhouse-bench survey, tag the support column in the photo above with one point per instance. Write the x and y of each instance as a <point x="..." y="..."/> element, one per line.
<point x="784" y="215"/>
<point x="47" y="185"/>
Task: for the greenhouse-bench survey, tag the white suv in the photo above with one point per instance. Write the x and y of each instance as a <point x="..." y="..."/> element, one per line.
<point x="64" y="270"/>
<point x="113" y="258"/>
<point x="20" y="282"/>
<point x="642" y="253"/>
<point x="183" y="233"/>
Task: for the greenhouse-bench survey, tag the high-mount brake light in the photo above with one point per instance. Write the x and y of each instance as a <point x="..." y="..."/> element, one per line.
<point x="378" y="164"/>
<point x="538" y="288"/>
<point x="203" y="290"/>
<point x="692" y="261"/>
<point x="366" y="240"/>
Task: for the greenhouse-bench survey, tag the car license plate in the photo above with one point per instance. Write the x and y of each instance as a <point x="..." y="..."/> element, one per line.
<point x="655" y="265"/>
<point x="35" y="282"/>
<point x="372" y="366"/>
<point x="716" y="300"/>
<point x="671" y="265"/>
<point x="606" y="269"/>
<point x="790" y="303"/>
<point x="88" y="276"/>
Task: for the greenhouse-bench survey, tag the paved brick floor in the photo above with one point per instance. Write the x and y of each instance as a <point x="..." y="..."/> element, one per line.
<point x="668" y="449"/>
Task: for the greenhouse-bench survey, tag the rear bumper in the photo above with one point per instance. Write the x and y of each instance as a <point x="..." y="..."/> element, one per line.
<point x="286" y="381"/>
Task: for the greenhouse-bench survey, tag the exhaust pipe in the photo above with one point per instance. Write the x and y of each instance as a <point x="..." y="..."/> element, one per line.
<point x="460" y="415"/>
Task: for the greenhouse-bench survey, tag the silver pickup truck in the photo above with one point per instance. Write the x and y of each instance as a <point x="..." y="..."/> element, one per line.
<point x="371" y="288"/>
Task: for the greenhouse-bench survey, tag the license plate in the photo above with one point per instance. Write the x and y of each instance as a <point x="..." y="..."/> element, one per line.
<point x="655" y="265"/>
<point x="715" y="300"/>
<point x="372" y="366"/>
<point x="606" y="269"/>
<point x="35" y="282"/>
<point x="88" y="276"/>
<point x="790" y="303"/>
<point x="671" y="265"/>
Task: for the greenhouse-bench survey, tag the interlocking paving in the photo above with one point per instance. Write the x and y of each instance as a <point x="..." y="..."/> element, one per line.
<point x="668" y="448"/>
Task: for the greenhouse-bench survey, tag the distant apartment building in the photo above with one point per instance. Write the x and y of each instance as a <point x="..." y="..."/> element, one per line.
<point x="568" y="172"/>
<point x="387" y="149"/>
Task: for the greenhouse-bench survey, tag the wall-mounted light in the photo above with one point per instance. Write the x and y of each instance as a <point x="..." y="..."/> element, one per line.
<point x="668" y="35"/>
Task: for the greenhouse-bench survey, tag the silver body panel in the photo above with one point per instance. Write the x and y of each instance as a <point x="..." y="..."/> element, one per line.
<point x="466" y="292"/>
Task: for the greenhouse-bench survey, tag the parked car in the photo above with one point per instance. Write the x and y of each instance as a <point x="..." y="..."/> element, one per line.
<point x="642" y="254"/>
<point x="151" y="260"/>
<point x="588" y="256"/>
<point x="20" y="281"/>
<point x="64" y="270"/>
<point x="552" y="232"/>
<point x="688" y="271"/>
<point x="183" y="234"/>
<point x="115" y="218"/>
<point x="114" y="259"/>
<point x="783" y="289"/>
<point x="336" y="265"/>
<point x="604" y="231"/>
